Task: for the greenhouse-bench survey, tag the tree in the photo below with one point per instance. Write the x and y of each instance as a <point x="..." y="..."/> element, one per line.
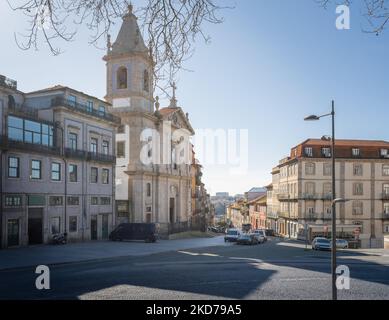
<point x="170" y="27"/>
<point x="376" y="12"/>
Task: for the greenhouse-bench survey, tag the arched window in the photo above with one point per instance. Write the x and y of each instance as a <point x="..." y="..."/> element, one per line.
<point x="146" y="81"/>
<point x="122" y="78"/>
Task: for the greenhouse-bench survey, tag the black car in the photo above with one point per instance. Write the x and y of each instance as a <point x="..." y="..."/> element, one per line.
<point x="247" y="238"/>
<point x="135" y="231"/>
<point x="269" y="232"/>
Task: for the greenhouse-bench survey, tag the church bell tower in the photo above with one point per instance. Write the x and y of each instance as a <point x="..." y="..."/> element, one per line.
<point x="129" y="69"/>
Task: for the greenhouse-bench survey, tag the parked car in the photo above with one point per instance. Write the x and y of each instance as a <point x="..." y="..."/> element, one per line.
<point x="247" y="238"/>
<point x="135" y="231"/>
<point x="341" y="243"/>
<point x="269" y="232"/>
<point x="321" y="244"/>
<point x="232" y="235"/>
<point x="260" y="235"/>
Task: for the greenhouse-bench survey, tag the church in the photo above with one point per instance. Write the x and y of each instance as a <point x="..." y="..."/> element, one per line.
<point x="152" y="185"/>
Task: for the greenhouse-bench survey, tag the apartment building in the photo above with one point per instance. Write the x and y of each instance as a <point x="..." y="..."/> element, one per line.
<point x="304" y="190"/>
<point x="257" y="212"/>
<point x="57" y="165"/>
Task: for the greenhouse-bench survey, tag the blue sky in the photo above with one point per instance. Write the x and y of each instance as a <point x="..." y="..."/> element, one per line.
<point x="268" y="65"/>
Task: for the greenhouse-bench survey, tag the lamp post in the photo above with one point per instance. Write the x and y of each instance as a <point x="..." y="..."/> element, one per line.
<point x="334" y="200"/>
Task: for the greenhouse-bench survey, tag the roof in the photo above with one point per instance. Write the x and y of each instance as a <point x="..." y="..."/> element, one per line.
<point x="262" y="197"/>
<point x="129" y="38"/>
<point x="347" y="143"/>
<point x="61" y="87"/>
<point x="257" y="189"/>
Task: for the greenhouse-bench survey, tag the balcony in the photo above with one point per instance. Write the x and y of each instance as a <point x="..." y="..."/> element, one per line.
<point x="312" y="216"/>
<point x="287" y="215"/>
<point x="22" y="110"/>
<point x="309" y="196"/>
<point x="385" y="216"/>
<point x="62" y="102"/>
<point x="100" y="157"/>
<point x="326" y="196"/>
<point x="76" y="154"/>
<point x="7" y="144"/>
<point x="286" y="196"/>
<point x="385" y="196"/>
<point x="8" y="83"/>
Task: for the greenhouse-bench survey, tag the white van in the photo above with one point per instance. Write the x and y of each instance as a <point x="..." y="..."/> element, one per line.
<point x="232" y="235"/>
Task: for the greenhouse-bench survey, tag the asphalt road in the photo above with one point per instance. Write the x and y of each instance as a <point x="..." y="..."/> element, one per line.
<point x="275" y="270"/>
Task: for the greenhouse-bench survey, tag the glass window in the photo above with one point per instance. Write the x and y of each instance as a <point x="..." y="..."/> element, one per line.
<point x="385" y="188"/>
<point x="385" y="153"/>
<point x="146" y="81"/>
<point x="327" y="169"/>
<point x="93" y="145"/>
<point x="149" y="189"/>
<point x="72" y="140"/>
<point x="386" y="207"/>
<point x="55" y="225"/>
<point x="310" y="168"/>
<point x="105" y="200"/>
<point x="357" y="207"/>
<point x="72" y="100"/>
<point x="356" y="152"/>
<point x="36" y="169"/>
<point x="56" y="171"/>
<point x="105" y="176"/>
<point x="101" y="110"/>
<point x="94" y="175"/>
<point x="73" y="201"/>
<point x="72" y="173"/>
<point x="13" y="201"/>
<point x="73" y="224"/>
<point x="13" y="167"/>
<point x="358" y="189"/>
<point x="15" y="122"/>
<point x="326" y="152"/>
<point x="308" y="151"/>
<point x="310" y="188"/>
<point x="120" y="149"/>
<point x="121" y="78"/>
<point x="94" y="201"/>
<point x="56" y="200"/>
<point x="105" y="147"/>
<point x="89" y="106"/>
<point x="36" y="200"/>
<point x="358" y="170"/>
<point x="385" y="170"/>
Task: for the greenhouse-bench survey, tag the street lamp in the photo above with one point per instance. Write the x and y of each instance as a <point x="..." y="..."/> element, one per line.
<point x="334" y="200"/>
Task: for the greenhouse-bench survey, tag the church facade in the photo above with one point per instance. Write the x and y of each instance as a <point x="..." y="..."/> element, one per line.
<point x="153" y="166"/>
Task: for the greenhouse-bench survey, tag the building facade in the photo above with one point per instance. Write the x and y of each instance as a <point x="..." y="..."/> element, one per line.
<point x="257" y="212"/>
<point x="152" y="185"/>
<point x="57" y="165"/>
<point x="304" y="190"/>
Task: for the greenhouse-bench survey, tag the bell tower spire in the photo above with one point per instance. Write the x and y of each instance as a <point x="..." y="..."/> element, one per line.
<point x="129" y="69"/>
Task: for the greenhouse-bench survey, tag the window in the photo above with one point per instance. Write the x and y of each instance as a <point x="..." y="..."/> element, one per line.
<point x="148" y="189"/>
<point x="385" y="189"/>
<point x="55" y="225"/>
<point x="94" y="175"/>
<point x="36" y="200"/>
<point x="121" y="78"/>
<point x="36" y="169"/>
<point x="72" y="140"/>
<point x="93" y="145"/>
<point x="30" y="131"/>
<point x="72" y="173"/>
<point x="385" y="170"/>
<point x="327" y="187"/>
<point x="146" y="81"/>
<point x="308" y="151"/>
<point x="357" y="208"/>
<point x="386" y="207"/>
<point x="105" y="200"/>
<point x="13" y="201"/>
<point x="55" y="200"/>
<point x="358" y="189"/>
<point x="122" y="208"/>
<point x="120" y="149"/>
<point x="355" y="152"/>
<point x="310" y="168"/>
<point x="73" y="224"/>
<point x="326" y="152"/>
<point x="13" y="167"/>
<point x="358" y="170"/>
<point x="105" y="147"/>
<point x="310" y="188"/>
<point x="384" y="153"/>
<point x="102" y="111"/>
<point x="105" y="176"/>
<point x="72" y="100"/>
<point x="94" y="201"/>
<point x="89" y="106"/>
<point x="73" y="201"/>
<point x="55" y="171"/>
<point x="327" y="169"/>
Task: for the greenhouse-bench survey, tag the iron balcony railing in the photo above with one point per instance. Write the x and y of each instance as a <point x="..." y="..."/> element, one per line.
<point x="7" y="143"/>
<point x="60" y="101"/>
<point x="22" y="110"/>
<point x="287" y="196"/>
<point x="385" y="216"/>
<point x="76" y="154"/>
<point x="385" y="196"/>
<point x="101" y="157"/>
<point x="312" y="216"/>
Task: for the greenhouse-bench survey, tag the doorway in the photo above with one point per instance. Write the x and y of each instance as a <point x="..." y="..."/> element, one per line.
<point x="93" y="228"/>
<point x="13" y="232"/>
<point x="104" y="227"/>
<point x="35" y="223"/>
<point x="171" y="210"/>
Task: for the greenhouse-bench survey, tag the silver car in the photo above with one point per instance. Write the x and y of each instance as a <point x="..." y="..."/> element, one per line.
<point x="260" y="235"/>
<point x="320" y="243"/>
<point x="341" y="243"/>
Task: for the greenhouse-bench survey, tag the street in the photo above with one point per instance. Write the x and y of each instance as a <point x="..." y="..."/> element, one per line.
<point x="278" y="269"/>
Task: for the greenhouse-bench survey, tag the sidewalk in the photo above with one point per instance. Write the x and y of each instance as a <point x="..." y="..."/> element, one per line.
<point x="76" y="252"/>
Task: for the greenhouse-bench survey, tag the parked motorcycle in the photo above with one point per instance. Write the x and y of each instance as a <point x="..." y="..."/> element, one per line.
<point x="59" y="239"/>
